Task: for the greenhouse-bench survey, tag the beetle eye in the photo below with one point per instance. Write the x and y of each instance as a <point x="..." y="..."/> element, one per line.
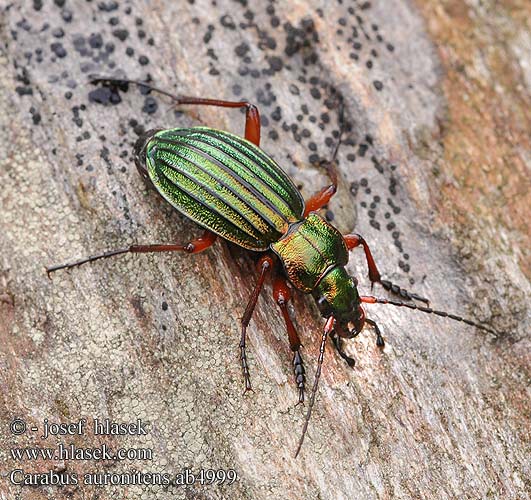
<point x="354" y="280"/>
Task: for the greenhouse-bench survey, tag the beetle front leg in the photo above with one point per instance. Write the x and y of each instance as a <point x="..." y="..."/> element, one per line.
<point x="282" y="295"/>
<point x="195" y="246"/>
<point x="338" y="341"/>
<point x="265" y="264"/>
<point x="353" y="241"/>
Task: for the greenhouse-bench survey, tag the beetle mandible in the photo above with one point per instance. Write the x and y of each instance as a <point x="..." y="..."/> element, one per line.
<point x="236" y="191"/>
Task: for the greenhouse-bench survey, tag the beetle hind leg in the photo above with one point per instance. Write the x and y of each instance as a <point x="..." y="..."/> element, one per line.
<point x="252" y="115"/>
<point x="195" y="246"/>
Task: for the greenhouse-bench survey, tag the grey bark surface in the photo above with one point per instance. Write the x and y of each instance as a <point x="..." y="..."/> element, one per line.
<point x="442" y="412"/>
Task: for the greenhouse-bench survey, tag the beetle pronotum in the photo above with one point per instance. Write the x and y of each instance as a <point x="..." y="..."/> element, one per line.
<point x="233" y="189"/>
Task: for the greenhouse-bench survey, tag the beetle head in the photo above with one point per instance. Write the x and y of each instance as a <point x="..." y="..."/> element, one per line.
<point x="337" y="295"/>
<point x="139" y="152"/>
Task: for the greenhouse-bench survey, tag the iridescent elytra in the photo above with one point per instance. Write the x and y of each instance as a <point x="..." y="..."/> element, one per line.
<point x="233" y="189"/>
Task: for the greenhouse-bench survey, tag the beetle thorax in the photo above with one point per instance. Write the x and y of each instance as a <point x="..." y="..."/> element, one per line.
<point x="310" y="250"/>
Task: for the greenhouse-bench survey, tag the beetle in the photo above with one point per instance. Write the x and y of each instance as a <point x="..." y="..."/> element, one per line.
<point x="234" y="190"/>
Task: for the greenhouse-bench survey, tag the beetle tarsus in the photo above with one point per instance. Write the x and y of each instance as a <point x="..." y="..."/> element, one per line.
<point x="391" y="287"/>
<point x="379" y="339"/>
<point x="299" y="372"/>
<point x="122" y="83"/>
<point x="90" y="258"/>
<point x="244" y="365"/>
<point x="339" y="348"/>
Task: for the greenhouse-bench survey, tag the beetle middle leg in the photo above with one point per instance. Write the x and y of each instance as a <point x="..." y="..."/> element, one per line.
<point x="252" y="116"/>
<point x="195" y="246"/>
<point x="265" y="264"/>
<point x="355" y="240"/>
<point x="282" y="295"/>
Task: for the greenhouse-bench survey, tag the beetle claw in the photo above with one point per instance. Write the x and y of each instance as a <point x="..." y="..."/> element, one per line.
<point x="301" y="396"/>
<point x="247" y="389"/>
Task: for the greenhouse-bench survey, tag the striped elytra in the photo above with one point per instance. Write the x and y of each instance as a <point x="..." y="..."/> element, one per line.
<point x="225" y="184"/>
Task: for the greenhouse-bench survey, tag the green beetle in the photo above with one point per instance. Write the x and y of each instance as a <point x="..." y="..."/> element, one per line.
<point x="233" y="189"/>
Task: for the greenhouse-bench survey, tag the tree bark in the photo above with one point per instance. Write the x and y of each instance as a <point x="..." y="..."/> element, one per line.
<point x="434" y="172"/>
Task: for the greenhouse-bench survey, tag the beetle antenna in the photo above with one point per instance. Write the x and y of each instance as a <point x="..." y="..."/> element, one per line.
<point x="341" y="120"/>
<point x="330" y="165"/>
<point x="327" y="329"/>
<point x="368" y="299"/>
